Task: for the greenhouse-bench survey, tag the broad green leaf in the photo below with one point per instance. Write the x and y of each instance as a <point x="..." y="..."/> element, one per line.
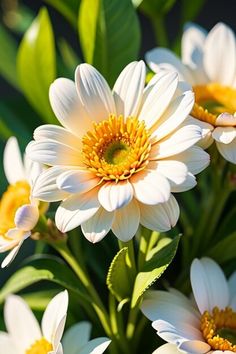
<point x="68" y="8"/>
<point x="154" y="8"/>
<point x="224" y="250"/>
<point x="153" y="269"/>
<point x="36" y="65"/>
<point x="109" y="34"/>
<point x="50" y="269"/>
<point x="8" y="57"/>
<point x="119" y="279"/>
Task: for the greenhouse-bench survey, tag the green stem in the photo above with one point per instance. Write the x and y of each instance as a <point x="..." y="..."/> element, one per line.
<point x="145" y="235"/>
<point x="158" y="23"/>
<point x="139" y="332"/>
<point x="130" y="245"/>
<point x="132" y="322"/>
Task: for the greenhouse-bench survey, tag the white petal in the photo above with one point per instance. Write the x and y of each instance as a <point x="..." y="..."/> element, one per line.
<point x="157" y="98"/>
<point x="26" y="217"/>
<point x="175" y="114"/>
<point x="167" y="349"/>
<point x="175" y="171"/>
<point x="126" y="221"/>
<point x="53" y="153"/>
<point x="182" y="139"/>
<point x="76" y="337"/>
<point x="228" y="151"/>
<point x="94" y="92"/>
<point x="220" y="55"/>
<point x="45" y="187"/>
<point x="150" y="187"/>
<point x="98" y="225"/>
<point x="224" y="135"/>
<point x="209" y="285"/>
<point x="159" y="56"/>
<point x="12" y="255"/>
<point x="77" y="181"/>
<point x="161" y="217"/>
<point x="33" y="170"/>
<point x="206" y="129"/>
<point x="189" y="183"/>
<point x="128" y="89"/>
<point x="226" y="119"/>
<point x="76" y="209"/>
<point x="12" y="162"/>
<point x="232" y="284"/>
<point x="114" y="195"/>
<point x="96" y="346"/>
<point x="6" y="344"/>
<point x="195" y="347"/>
<point x="53" y="317"/>
<point x="21" y="324"/>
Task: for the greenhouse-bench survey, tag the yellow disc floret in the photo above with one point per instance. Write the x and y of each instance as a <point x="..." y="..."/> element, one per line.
<point x="219" y="329"/>
<point x="116" y="148"/>
<point x="41" y="346"/>
<point x="15" y="196"/>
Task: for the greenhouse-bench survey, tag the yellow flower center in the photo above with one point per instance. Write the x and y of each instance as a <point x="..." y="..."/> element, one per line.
<point x="41" y="346"/>
<point x="219" y="329"/>
<point x="211" y="100"/>
<point x="116" y="148"/>
<point x="15" y="196"/>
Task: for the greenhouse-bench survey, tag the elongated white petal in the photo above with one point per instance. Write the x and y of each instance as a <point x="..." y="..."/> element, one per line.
<point x="189" y="183"/>
<point x="53" y="320"/>
<point x="12" y="255"/>
<point x="209" y="285"/>
<point x="167" y="349"/>
<point x="33" y="170"/>
<point x="96" y="346"/>
<point x="26" y="217"/>
<point x="224" y="135"/>
<point x="195" y="347"/>
<point x="150" y="187"/>
<point x="157" y="98"/>
<point x="175" y="114"/>
<point x="94" y="92"/>
<point x="77" y="181"/>
<point x="21" y="323"/>
<point x="113" y="195"/>
<point x="96" y="228"/>
<point x="220" y="55"/>
<point x="128" y="89"/>
<point x="126" y="221"/>
<point x="228" y="151"/>
<point x="45" y="187"/>
<point x="76" y="337"/>
<point x="6" y="344"/>
<point x="76" y="209"/>
<point x="161" y="217"/>
<point x="12" y="162"/>
<point x="175" y="171"/>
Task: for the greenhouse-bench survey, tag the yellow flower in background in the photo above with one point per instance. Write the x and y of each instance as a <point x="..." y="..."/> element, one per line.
<point x="18" y="210"/>
<point x="120" y="154"/>
<point x="209" y="65"/>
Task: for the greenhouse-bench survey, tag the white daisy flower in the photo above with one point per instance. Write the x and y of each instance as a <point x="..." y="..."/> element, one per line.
<point x="76" y="340"/>
<point x="119" y="154"/>
<point x="18" y="210"/>
<point x="209" y="65"/>
<point x="207" y="327"/>
<point x="24" y="333"/>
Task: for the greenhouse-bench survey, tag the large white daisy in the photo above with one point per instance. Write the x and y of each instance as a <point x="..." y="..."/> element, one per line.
<point x="24" y="333"/>
<point x="209" y="65"/>
<point x="76" y="340"/>
<point x="207" y="327"/>
<point x="119" y="154"/>
<point x="18" y="210"/>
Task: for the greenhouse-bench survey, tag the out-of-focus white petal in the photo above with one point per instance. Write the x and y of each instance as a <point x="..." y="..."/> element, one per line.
<point x="26" y="217"/>
<point x="96" y="346"/>
<point x="76" y="337"/>
<point x="113" y="195"/>
<point x="128" y="89"/>
<point x="228" y="151"/>
<point x="77" y="181"/>
<point x="168" y="349"/>
<point x="6" y="344"/>
<point x="12" y="162"/>
<point x="195" y="347"/>
<point x="95" y="228"/>
<point x="126" y="221"/>
<point x="224" y="135"/>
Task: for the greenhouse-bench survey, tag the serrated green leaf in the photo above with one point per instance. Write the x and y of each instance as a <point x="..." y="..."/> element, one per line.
<point x="50" y="269"/>
<point x="228" y="245"/>
<point x="69" y="9"/>
<point x="109" y="34"/>
<point x="119" y="279"/>
<point x="36" y="65"/>
<point x="153" y="269"/>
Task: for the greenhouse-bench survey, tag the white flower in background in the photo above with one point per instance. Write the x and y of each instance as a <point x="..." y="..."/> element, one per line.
<point x="209" y="65"/>
<point x="18" y="210"/>
<point x="76" y="340"/>
<point x="207" y="327"/>
<point x="24" y="334"/>
<point x="119" y="154"/>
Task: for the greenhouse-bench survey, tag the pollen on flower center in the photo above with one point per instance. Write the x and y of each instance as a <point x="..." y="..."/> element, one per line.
<point x="116" y="148"/>
<point x="15" y="196"/>
<point x="41" y="346"/>
<point x="219" y="329"/>
<point x="211" y="100"/>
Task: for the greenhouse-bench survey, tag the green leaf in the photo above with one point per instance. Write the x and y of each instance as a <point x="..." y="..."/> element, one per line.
<point x="119" y="279"/>
<point x="69" y="57"/>
<point x="39" y="300"/>
<point x="36" y="65"/>
<point x="48" y="268"/>
<point x="153" y="269"/>
<point x="110" y="35"/>
<point x="224" y="250"/>
<point x="153" y="8"/>
<point x="69" y="9"/>
<point x="8" y="57"/>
